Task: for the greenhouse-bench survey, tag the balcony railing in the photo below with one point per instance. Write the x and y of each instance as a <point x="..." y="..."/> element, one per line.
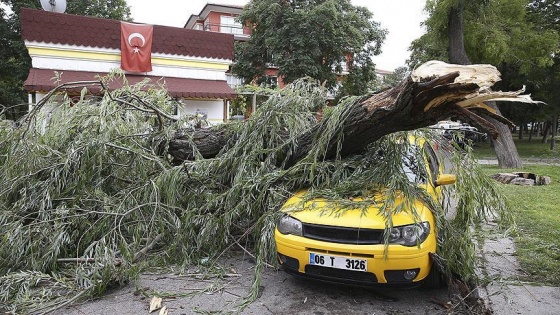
<point x="236" y="29"/>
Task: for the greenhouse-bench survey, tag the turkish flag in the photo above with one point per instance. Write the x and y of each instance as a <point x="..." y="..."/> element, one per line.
<point x="136" y="47"/>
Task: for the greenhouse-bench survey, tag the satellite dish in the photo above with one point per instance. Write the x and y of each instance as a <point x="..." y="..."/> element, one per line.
<point x="58" y="6"/>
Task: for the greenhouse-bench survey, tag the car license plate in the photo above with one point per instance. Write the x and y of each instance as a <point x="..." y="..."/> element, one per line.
<point x="338" y="262"/>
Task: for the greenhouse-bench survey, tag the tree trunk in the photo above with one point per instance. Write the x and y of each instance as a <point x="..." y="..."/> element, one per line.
<point x="432" y="93"/>
<point x="554" y="131"/>
<point x="507" y="154"/>
<point x="457" y="53"/>
<point x="546" y="131"/>
<point x="505" y="148"/>
<point x="208" y="143"/>
<point x="531" y="131"/>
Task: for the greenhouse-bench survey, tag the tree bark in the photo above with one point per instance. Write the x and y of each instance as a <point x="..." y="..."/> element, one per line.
<point x="457" y="53"/>
<point x="505" y="149"/>
<point x="554" y="131"/>
<point x="207" y="143"/>
<point x="432" y="93"/>
<point x="546" y="131"/>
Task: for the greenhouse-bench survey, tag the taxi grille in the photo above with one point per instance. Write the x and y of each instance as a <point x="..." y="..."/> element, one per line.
<point x="349" y="276"/>
<point x="343" y="235"/>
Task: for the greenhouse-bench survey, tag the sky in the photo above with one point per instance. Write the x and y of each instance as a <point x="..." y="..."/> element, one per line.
<point x="401" y="18"/>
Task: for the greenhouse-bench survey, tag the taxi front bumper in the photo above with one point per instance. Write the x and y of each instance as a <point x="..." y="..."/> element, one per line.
<point x="393" y="269"/>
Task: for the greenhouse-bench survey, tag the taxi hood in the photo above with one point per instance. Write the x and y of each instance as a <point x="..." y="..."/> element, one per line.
<point x="359" y="212"/>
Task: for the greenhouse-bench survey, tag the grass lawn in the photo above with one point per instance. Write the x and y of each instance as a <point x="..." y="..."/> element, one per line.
<point x="537" y="213"/>
<point x="526" y="149"/>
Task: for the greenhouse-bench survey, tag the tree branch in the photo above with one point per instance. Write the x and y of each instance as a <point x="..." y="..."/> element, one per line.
<point x="432" y="93"/>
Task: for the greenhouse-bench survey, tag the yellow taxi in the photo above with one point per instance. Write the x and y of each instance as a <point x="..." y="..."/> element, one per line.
<point x="358" y="247"/>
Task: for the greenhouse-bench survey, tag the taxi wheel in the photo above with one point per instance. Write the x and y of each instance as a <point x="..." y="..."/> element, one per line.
<point x="434" y="279"/>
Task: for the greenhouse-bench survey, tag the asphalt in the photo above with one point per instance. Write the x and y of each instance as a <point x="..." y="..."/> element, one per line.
<point x="280" y="293"/>
<point x="187" y="292"/>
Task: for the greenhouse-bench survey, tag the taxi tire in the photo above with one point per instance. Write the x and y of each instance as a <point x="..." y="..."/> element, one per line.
<point x="434" y="279"/>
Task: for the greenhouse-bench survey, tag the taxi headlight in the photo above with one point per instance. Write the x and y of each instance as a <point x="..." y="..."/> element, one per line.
<point x="410" y="235"/>
<point x="289" y="225"/>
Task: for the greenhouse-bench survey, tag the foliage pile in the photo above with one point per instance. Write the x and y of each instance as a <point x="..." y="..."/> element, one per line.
<point x="94" y="186"/>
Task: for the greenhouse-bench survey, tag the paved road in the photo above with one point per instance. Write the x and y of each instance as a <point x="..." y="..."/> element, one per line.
<point x="286" y="295"/>
<point x="281" y="294"/>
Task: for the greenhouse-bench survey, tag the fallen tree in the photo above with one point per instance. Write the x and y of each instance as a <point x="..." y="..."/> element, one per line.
<point x="87" y="198"/>
<point x="434" y="92"/>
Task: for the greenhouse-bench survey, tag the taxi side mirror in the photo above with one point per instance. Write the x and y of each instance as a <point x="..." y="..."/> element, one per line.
<point x="446" y="179"/>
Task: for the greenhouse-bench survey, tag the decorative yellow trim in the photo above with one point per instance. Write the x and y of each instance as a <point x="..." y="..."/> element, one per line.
<point x="115" y="57"/>
<point x="189" y="64"/>
<point x="50" y="52"/>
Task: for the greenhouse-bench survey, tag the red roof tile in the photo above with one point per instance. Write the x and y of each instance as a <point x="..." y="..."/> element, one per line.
<point x="41" y="80"/>
<point x="62" y="28"/>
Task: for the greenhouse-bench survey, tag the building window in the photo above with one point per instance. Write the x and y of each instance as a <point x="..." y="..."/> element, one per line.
<point x="270" y="60"/>
<point x="234" y="81"/>
<point x="343" y="67"/>
<point x="198" y="26"/>
<point x="269" y="81"/>
<point x="229" y="25"/>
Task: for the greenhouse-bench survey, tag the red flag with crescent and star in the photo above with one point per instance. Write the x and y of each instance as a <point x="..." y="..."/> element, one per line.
<point x="136" y="47"/>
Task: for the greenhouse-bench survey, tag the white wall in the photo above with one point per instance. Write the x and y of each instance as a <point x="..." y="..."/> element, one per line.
<point x="213" y="108"/>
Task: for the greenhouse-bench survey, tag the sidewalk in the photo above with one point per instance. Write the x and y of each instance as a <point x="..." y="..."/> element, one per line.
<point x="505" y="293"/>
<point x="528" y="161"/>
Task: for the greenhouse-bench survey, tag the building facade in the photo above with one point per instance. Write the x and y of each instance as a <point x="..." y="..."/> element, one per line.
<point x="221" y="18"/>
<point x="191" y="64"/>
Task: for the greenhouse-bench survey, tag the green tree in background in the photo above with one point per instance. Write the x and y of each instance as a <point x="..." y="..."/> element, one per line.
<point x="546" y="15"/>
<point x="13" y="54"/>
<point x="395" y="77"/>
<point x="361" y="77"/>
<point x="15" y="61"/>
<point x="497" y="32"/>
<point x="309" y="38"/>
<point x="110" y="9"/>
